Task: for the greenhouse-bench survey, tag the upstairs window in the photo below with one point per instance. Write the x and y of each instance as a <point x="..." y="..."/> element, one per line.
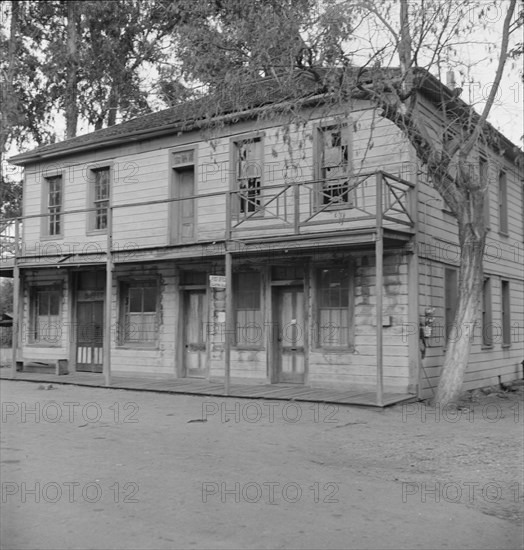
<point x="248" y="174"/>
<point x="54" y="196"/>
<point x="99" y="192"/>
<point x="503" y="203"/>
<point x="483" y="175"/>
<point x="334" y="165"/>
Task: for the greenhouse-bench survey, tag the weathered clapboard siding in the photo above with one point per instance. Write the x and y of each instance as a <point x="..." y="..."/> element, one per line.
<point x="437" y="247"/>
<point x="345" y="367"/>
<point x="485" y="364"/>
<point x="159" y="358"/>
<point x="142" y="171"/>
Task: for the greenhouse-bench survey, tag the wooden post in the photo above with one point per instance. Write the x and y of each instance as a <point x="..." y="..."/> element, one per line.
<point x="296" y="206"/>
<point x="16" y="301"/>
<point x="108" y="298"/>
<point x="229" y="321"/>
<point x="229" y="298"/>
<point x="379" y="255"/>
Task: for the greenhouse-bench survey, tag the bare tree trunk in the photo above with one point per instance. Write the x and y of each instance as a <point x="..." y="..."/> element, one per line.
<point x="461" y="336"/>
<point x="71" y="107"/>
<point x="113" y="106"/>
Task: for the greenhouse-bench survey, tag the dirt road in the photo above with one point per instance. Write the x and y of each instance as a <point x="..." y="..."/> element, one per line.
<point x="99" y="468"/>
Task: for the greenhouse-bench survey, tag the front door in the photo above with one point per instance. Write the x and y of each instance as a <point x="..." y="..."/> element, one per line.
<point x="195" y="324"/>
<point x="90" y="332"/>
<point x="290" y="331"/>
<point x="182" y="213"/>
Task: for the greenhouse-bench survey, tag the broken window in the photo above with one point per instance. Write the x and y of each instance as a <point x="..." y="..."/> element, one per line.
<point x="334" y="165"/>
<point x="249" y="173"/>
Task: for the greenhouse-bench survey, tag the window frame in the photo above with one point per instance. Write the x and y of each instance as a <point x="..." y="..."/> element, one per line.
<point x="34" y="302"/>
<point x="487" y="315"/>
<point x="505" y="312"/>
<point x="320" y="180"/>
<point x="124" y="286"/>
<point x="483" y="166"/>
<point x="503" y="203"/>
<point x="173" y="192"/>
<point x="91" y="196"/>
<point x="258" y="209"/>
<point x="46" y="219"/>
<point x="318" y="338"/>
<point x="451" y="292"/>
<point x="243" y="345"/>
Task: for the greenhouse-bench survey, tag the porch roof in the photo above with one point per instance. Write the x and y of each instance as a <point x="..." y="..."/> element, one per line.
<point x="293" y="244"/>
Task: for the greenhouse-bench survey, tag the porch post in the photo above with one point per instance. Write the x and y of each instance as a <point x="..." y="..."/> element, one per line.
<point x="108" y="297"/>
<point x="379" y="254"/>
<point x="229" y="322"/>
<point x="16" y="302"/>
<point x="229" y="298"/>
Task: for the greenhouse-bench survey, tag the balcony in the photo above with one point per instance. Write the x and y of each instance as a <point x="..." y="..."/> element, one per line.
<point x="372" y="202"/>
<point x="373" y="206"/>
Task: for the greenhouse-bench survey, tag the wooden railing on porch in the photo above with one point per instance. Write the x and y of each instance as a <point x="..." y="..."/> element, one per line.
<point x="309" y="206"/>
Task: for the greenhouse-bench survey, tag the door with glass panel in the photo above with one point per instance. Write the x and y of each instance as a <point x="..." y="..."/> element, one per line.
<point x="194" y="329"/>
<point x="288" y="303"/>
<point x="90" y="321"/>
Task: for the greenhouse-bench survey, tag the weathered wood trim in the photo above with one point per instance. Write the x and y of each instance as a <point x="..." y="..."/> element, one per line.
<point x="44" y="216"/>
<point x="171" y="191"/>
<point x="89" y="190"/>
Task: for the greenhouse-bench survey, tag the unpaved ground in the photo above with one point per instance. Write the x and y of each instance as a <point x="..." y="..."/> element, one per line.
<point x="124" y="469"/>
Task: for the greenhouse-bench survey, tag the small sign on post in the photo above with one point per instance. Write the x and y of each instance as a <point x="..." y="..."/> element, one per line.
<point x="217" y="281"/>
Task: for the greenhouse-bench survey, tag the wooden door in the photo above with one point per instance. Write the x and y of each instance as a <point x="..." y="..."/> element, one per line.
<point x="183" y="211"/>
<point x="291" y="331"/>
<point x="195" y="324"/>
<point x="89" y="340"/>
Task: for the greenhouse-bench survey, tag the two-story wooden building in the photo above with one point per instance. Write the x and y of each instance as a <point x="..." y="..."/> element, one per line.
<point x="337" y="250"/>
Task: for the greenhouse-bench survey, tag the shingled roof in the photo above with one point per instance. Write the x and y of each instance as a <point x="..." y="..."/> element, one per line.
<point x="304" y="85"/>
<point x="181" y="117"/>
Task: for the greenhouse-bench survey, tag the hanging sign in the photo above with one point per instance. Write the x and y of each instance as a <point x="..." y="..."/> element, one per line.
<point x="217" y="281"/>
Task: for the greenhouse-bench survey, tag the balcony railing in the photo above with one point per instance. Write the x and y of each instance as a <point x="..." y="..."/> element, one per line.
<point x="375" y="199"/>
<point x="369" y="202"/>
